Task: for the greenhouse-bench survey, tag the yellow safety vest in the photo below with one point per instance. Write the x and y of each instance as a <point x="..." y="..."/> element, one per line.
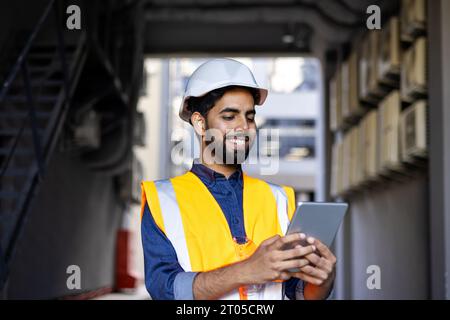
<point x="187" y="213"/>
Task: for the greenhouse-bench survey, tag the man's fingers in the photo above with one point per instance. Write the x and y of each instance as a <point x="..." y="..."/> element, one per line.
<point x="307" y="278"/>
<point x="325" y="251"/>
<point x="292" y="264"/>
<point x="317" y="260"/>
<point x="320" y="262"/>
<point x="286" y="240"/>
<point x="270" y="241"/>
<point x="314" y="272"/>
<point x="313" y="258"/>
<point x="296" y="252"/>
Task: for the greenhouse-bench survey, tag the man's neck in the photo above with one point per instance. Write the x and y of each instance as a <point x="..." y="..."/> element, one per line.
<point x="226" y="169"/>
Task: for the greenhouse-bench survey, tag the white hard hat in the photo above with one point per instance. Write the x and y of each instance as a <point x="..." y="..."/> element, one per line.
<point x="215" y="74"/>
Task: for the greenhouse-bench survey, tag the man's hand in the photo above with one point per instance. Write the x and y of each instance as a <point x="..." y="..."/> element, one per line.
<point x="271" y="261"/>
<point x="319" y="273"/>
<point x="268" y="263"/>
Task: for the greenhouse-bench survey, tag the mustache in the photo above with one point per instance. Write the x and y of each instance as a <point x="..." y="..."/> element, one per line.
<point x="238" y="135"/>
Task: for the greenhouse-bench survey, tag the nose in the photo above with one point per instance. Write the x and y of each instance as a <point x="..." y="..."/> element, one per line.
<point x="243" y="124"/>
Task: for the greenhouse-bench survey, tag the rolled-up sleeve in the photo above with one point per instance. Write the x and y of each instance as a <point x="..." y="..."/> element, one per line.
<point x="183" y="285"/>
<point x="165" y="279"/>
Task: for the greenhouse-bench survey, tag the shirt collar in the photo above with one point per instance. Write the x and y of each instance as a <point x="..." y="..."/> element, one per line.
<point x="209" y="176"/>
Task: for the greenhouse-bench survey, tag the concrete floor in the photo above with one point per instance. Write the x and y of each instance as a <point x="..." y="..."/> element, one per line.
<point x="139" y="294"/>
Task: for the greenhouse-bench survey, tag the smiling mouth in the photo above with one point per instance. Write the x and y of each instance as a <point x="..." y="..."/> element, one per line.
<point x="238" y="141"/>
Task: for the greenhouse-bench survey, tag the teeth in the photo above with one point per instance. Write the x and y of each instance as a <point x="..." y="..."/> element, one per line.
<point x="239" y="141"/>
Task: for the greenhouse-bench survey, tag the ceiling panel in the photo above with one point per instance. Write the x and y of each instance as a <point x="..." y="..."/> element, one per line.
<point x="255" y="25"/>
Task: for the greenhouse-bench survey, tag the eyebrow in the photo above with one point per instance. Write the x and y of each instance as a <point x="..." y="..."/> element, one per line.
<point x="234" y="110"/>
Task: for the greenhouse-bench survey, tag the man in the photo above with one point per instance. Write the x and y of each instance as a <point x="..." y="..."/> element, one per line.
<point x="214" y="232"/>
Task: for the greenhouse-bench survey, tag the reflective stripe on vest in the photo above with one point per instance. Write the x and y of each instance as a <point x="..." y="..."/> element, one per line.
<point x="172" y="221"/>
<point x="170" y="215"/>
<point x="282" y="206"/>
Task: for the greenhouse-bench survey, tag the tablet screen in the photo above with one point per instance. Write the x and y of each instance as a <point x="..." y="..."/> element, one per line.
<point x="320" y="220"/>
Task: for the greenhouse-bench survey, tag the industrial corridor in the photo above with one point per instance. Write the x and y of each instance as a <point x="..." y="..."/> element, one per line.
<point x="168" y="150"/>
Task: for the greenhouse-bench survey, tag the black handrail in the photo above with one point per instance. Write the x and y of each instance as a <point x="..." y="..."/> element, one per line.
<point x="13" y="147"/>
<point x="33" y="120"/>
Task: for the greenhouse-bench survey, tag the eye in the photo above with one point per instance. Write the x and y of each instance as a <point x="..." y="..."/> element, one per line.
<point x="228" y="118"/>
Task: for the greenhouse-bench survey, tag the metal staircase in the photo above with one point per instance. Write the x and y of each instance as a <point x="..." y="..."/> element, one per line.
<point x="34" y="101"/>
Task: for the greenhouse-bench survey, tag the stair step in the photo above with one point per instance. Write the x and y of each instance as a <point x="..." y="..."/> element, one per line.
<point x="36" y="83"/>
<point x="42" y="55"/>
<point x="18" y="151"/>
<point x="24" y="99"/>
<point x="9" y="195"/>
<point x="45" y="46"/>
<point x="16" y="173"/>
<point x="14" y="132"/>
<point x="38" y="69"/>
<point x="47" y="54"/>
<point x="22" y="114"/>
<point x="39" y="49"/>
<point x="49" y="83"/>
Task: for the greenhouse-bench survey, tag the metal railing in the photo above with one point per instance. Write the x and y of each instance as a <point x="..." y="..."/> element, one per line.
<point x="42" y="145"/>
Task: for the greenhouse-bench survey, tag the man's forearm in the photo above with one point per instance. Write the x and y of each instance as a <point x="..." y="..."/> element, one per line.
<point x="268" y="263"/>
<point x="217" y="283"/>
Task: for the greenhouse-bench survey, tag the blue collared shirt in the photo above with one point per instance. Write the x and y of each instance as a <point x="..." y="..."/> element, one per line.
<point x="164" y="277"/>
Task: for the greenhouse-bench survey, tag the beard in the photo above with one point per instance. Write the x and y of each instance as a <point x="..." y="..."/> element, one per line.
<point x="231" y="149"/>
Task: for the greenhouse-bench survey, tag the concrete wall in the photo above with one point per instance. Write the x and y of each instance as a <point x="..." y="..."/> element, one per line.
<point x="387" y="226"/>
<point x="404" y="228"/>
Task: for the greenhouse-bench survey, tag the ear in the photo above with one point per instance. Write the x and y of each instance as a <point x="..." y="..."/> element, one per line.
<point x="198" y="122"/>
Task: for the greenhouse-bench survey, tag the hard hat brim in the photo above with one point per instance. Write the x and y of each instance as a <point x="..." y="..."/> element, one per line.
<point x="185" y="114"/>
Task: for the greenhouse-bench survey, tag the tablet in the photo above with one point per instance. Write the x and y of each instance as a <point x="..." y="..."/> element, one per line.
<point x="320" y="220"/>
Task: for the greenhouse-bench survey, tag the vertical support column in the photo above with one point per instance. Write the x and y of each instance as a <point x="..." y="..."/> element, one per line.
<point x="323" y="145"/>
<point x="439" y="169"/>
<point x="164" y="152"/>
<point x="329" y="62"/>
<point x="322" y="142"/>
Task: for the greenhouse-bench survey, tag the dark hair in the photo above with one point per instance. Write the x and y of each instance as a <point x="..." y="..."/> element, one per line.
<point x="205" y="103"/>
